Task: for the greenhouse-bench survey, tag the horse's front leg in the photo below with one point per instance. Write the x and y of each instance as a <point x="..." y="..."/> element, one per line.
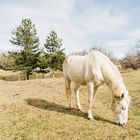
<point x="90" y="86"/>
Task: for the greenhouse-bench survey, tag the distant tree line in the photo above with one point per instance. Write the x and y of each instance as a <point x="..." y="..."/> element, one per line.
<point x="29" y="55"/>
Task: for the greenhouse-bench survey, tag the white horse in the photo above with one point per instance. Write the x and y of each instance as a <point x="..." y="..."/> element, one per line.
<point x="93" y="70"/>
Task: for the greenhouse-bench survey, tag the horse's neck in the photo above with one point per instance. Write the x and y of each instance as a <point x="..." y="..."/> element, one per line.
<point x="112" y="76"/>
<point x="115" y="81"/>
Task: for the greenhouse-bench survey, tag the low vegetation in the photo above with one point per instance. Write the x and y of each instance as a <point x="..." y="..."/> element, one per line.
<point x="35" y="110"/>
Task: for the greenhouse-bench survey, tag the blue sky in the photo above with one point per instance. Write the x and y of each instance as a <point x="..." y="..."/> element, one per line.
<point x="82" y="24"/>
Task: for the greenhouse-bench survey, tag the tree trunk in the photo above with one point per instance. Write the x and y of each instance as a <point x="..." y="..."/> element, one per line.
<point x="53" y="74"/>
<point x="27" y="75"/>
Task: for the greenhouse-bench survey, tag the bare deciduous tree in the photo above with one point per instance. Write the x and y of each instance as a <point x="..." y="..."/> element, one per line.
<point x="132" y="58"/>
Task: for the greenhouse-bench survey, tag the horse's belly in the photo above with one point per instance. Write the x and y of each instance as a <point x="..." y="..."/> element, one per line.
<point x="77" y="78"/>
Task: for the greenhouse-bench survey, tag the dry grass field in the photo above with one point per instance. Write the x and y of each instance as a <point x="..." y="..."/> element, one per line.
<point x="35" y="110"/>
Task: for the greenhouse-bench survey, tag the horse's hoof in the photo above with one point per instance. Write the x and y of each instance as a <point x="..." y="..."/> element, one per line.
<point x="121" y="123"/>
<point x="91" y="119"/>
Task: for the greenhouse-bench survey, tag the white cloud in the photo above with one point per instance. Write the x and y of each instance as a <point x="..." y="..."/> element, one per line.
<point x="49" y="8"/>
<point x="135" y="34"/>
<point x="124" y="43"/>
<point x="99" y="21"/>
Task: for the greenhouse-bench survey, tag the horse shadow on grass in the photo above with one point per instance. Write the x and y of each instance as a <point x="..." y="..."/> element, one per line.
<point x="51" y="106"/>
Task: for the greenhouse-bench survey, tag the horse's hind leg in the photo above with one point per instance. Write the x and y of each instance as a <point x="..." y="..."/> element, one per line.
<point x="68" y="91"/>
<point x="76" y="91"/>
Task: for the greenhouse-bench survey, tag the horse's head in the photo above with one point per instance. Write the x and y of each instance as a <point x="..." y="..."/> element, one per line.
<point x="120" y="107"/>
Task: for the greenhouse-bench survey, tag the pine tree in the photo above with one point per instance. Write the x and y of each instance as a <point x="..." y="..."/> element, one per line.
<point x="54" y="52"/>
<point x="25" y="37"/>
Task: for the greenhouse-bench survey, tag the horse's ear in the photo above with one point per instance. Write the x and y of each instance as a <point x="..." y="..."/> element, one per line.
<point x="122" y="95"/>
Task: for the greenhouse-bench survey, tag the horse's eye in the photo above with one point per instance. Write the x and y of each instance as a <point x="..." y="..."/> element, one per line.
<point x="123" y="108"/>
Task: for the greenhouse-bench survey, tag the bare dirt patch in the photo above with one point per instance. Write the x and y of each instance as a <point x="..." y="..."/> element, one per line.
<point x="17" y="91"/>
